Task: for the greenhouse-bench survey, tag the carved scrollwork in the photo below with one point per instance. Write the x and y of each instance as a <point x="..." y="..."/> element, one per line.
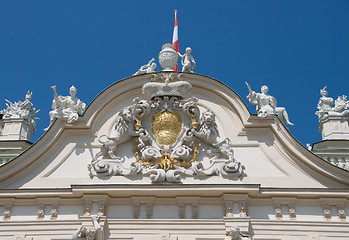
<point x="168" y="135"/>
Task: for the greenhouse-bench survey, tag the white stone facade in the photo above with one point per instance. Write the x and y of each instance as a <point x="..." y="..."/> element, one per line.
<point x="284" y="191"/>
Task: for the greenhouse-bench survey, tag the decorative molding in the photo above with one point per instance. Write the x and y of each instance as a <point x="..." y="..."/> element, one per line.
<point x="87" y="207"/>
<point x="102" y="207"/>
<point x="7" y="202"/>
<point x="7" y="212"/>
<point x="292" y="211"/>
<point x="149" y="210"/>
<point x="54" y="211"/>
<point x="41" y="212"/>
<point x="341" y="212"/>
<point x="229" y="200"/>
<point x="195" y="210"/>
<point x="326" y="211"/>
<point x="243" y="210"/>
<point x="181" y="210"/>
<point x="278" y="211"/>
<point x="136" y="209"/>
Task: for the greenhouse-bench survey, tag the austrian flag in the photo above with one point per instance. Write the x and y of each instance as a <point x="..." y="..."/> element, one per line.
<point x="175" y="39"/>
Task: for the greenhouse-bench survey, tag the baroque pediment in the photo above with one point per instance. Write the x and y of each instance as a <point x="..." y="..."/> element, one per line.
<point x="196" y="131"/>
<point x="171" y="137"/>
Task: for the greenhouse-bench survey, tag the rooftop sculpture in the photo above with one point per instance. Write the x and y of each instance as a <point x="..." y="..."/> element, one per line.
<point x="168" y="58"/>
<point x="266" y="104"/>
<point x="69" y="107"/>
<point x="325" y="104"/>
<point x="21" y="110"/>
<point x="188" y="61"/>
<point x="147" y="68"/>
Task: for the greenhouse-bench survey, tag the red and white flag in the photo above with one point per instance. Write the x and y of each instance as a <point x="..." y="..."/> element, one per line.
<point x="175" y="39"/>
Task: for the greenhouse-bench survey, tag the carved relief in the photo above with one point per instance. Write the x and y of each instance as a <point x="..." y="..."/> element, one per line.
<point x="87" y="208"/>
<point x="168" y="134"/>
<point x="195" y="210"/>
<point x="53" y="212"/>
<point x="41" y="212"/>
<point x="228" y="208"/>
<point x="7" y="212"/>
<point x="341" y="212"/>
<point x="181" y="210"/>
<point x="292" y="211"/>
<point x="327" y="212"/>
<point x="149" y="210"/>
<point x="136" y="209"/>
<point x="101" y="208"/>
<point x="278" y="211"/>
<point x="242" y="205"/>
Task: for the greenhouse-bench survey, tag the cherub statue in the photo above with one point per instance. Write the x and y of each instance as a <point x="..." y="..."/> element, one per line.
<point x="236" y="234"/>
<point x="266" y="104"/>
<point x="125" y="130"/>
<point x="188" y="61"/>
<point x="147" y="68"/>
<point x="89" y="233"/>
<point x="69" y="107"/>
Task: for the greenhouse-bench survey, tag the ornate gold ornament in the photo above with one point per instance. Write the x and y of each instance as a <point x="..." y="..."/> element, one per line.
<point x="166" y="127"/>
<point x="166" y="161"/>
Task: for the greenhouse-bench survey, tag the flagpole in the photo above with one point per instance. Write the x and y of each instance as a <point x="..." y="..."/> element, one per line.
<point x="175" y="38"/>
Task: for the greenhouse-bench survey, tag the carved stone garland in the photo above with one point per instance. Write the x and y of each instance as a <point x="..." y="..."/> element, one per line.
<point x="167" y="132"/>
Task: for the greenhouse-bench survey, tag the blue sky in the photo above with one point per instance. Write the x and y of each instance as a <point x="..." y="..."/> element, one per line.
<point x="294" y="47"/>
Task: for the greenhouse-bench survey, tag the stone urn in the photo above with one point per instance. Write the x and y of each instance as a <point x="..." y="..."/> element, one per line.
<point x="168" y="57"/>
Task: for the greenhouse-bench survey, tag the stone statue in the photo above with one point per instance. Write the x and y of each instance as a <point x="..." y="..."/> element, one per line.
<point x="89" y="233"/>
<point x="208" y="133"/>
<point x="236" y="234"/>
<point x="23" y="110"/>
<point x="147" y="68"/>
<point x="125" y="130"/>
<point x="266" y="104"/>
<point x="325" y="104"/>
<point x="188" y="61"/>
<point x="69" y="107"/>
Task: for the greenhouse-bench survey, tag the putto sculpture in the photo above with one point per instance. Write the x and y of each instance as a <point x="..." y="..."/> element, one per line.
<point x="325" y="104"/>
<point x="188" y="62"/>
<point x="23" y="110"/>
<point x="69" y="107"/>
<point x="266" y="104"/>
<point x="147" y="68"/>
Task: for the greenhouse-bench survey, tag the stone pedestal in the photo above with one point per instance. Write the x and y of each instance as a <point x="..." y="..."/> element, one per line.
<point x="15" y="129"/>
<point x="334" y="127"/>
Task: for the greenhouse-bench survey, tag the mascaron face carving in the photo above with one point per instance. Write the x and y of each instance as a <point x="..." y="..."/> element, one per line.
<point x="168" y="133"/>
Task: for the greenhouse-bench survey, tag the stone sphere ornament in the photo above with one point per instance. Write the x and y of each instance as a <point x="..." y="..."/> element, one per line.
<point x="168" y="57"/>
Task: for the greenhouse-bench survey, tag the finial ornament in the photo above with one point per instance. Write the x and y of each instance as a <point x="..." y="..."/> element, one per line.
<point x="266" y="104"/>
<point x="168" y="57"/>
